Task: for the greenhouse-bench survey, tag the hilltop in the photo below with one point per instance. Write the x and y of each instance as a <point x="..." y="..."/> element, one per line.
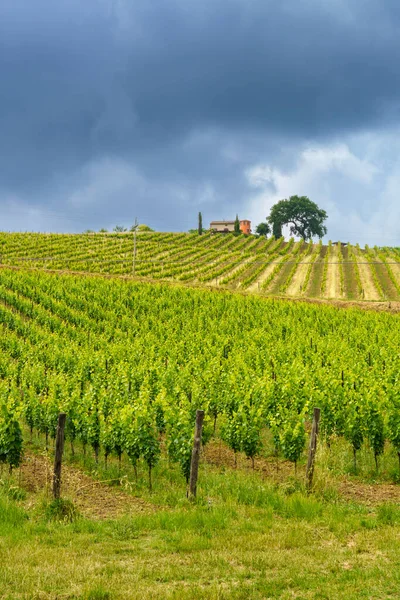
<point x="255" y="264"/>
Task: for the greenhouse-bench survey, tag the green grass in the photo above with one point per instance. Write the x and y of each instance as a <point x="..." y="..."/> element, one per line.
<point x="289" y="547"/>
<point x="245" y="537"/>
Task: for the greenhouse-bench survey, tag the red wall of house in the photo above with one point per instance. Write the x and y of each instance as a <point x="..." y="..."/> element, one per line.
<point x="245" y="226"/>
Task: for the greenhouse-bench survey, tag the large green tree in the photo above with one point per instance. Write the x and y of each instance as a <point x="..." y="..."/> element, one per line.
<point x="305" y="218"/>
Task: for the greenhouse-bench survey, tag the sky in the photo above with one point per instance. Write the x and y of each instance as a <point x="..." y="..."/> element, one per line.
<point x="113" y="109"/>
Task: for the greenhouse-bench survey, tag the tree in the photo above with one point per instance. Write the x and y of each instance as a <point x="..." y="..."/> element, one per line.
<point x="119" y="229"/>
<point x="277" y="230"/>
<point x="200" y="225"/>
<point x="141" y="227"/>
<point x="304" y="217"/>
<point x="263" y="229"/>
<point x="237" y="225"/>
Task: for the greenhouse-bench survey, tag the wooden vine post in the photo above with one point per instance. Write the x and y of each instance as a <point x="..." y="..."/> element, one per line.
<point x="312" y="448"/>
<point x="58" y="455"/>
<point x="194" y="465"/>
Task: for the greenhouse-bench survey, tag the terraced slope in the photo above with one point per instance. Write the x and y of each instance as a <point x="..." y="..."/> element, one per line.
<point x="258" y="265"/>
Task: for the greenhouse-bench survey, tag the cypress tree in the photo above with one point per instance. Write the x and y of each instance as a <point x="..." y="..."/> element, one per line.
<point x="200" y="226"/>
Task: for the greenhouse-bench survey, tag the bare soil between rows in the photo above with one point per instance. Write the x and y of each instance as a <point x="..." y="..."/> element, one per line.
<point x="93" y="499"/>
<point x="281" y="471"/>
<point x="101" y="500"/>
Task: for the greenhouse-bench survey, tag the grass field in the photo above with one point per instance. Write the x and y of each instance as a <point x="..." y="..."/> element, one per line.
<point x="247" y="536"/>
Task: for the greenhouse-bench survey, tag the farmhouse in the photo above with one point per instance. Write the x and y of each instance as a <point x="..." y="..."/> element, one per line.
<point x="229" y="226"/>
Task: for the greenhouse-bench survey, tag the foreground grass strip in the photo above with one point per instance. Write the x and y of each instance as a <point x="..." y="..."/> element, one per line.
<point x="246" y="542"/>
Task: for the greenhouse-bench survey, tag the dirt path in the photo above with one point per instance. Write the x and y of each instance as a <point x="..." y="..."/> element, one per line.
<point x="93" y="499"/>
<point x="367" y="282"/>
<point x="296" y="285"/>
<point x="256" y="285"/>
<point x="333" y="282"/>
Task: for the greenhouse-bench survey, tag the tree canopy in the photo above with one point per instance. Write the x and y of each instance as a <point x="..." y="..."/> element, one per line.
<point x="304" y="217"/>
<point x="263" y="229"/>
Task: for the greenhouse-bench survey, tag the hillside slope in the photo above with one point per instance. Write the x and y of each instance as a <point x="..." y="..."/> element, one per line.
<point x="259" y="265"/>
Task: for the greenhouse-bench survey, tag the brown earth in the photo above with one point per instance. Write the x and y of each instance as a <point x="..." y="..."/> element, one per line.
<point x="216" y="282"/>
<point x="296" y="286"/>
<point x="333" y="282"/>
<point x="381" y="306"/>
<point x="370" y="494"/>
<point x="100" y="500"/>
<point x="369" y="289"/>
<point x="218" y="454"/>
<point x="93" y="499"/>
<point x="254" y="287"/>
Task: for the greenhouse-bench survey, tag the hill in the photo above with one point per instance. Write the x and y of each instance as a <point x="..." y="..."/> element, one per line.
<point x="129" y="363"/>
<point x="263" y="266"/>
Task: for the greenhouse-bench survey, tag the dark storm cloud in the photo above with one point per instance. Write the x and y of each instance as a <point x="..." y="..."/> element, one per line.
<point x="134" y="81"/>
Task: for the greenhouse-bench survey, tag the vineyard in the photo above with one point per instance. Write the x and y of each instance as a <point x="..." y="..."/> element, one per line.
<point x="259" y="265"/>
<point x="130" y="362"/>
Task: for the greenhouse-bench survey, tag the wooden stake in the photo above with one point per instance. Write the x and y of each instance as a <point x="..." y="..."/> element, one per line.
<point x="58" y="455"/>
<point x="312" y="448"/>
<point x="194" y="466"/>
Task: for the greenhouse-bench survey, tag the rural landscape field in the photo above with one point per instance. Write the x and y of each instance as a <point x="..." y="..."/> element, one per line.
<point x="199" y="300"/>
<point x="252" y="263"/>
<point x="130" y="359"/>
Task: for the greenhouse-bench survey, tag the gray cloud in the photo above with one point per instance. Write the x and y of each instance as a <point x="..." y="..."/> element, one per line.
<point x="113" y="107"/>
